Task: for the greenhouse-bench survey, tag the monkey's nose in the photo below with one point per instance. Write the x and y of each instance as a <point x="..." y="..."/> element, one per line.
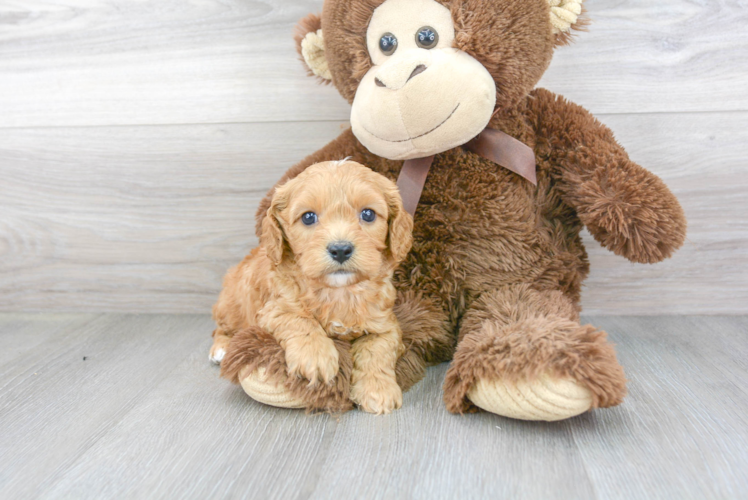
<point x="396" y="72"/>
<point x="340" y="251"/>
<point x="419" y="69"/>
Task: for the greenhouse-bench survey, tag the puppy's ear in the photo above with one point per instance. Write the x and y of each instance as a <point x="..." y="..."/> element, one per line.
<point x="272" y="237"/>
<point x="400" y="234"/>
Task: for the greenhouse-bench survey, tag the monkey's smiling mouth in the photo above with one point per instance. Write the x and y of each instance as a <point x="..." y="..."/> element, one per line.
<point x="418" y="136"/>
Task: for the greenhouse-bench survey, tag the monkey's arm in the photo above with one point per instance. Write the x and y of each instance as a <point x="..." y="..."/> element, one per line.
<point x="343" y="146"/>
<point x="627" y="209"/>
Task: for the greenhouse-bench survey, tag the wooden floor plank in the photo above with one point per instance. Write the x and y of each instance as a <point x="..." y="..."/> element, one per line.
<point x="115" y="62"/>
<point x="682" y="431"/>
<point x="23" y="333"/>
<point x="54" y="404"/>
<point x="148" y="219"/>
<point x="201" y="437"/>
<point x="425" y="452"/>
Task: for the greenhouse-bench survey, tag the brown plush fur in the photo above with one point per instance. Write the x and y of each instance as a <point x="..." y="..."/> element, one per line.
<point x="494" y="277"/>
<point x="517" y="332"/>
<point x="292" y="288"/>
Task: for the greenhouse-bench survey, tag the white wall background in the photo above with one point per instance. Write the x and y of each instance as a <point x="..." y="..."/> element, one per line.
<point x="137" y="137"/>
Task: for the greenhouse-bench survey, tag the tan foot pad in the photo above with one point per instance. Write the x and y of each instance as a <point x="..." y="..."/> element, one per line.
<point x="545" y="398"/>
<point x="258" y="388"/>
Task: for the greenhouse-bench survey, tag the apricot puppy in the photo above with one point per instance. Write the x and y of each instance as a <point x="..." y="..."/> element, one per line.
<point x="329" y="245"/>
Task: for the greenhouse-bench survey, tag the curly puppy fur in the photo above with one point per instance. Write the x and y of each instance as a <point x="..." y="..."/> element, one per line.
<point x="305" y="296"/>
<point x="494" y="278"/>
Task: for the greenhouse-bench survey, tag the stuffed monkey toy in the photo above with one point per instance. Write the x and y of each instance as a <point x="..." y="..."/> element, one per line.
<point x="501" y="177"/>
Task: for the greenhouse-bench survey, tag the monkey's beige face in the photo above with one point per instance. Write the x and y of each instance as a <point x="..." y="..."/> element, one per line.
<point x="335" y="222"/>
<point x="421" y="96"/>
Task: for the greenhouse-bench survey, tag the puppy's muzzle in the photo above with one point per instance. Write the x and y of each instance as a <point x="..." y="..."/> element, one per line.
<point x="340" y="251"/>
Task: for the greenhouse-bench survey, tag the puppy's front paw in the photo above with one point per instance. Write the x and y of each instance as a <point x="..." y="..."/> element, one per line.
<point x="377" y="395"/>
<point x="313" y="357"/>
<point x="218" y="349"/>
<point x="217" y="354"/>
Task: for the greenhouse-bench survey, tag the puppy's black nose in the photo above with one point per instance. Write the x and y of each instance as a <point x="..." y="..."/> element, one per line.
<point x="340" y="251"/>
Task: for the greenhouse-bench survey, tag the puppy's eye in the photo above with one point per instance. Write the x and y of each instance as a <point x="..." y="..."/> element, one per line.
<point x="388" y="44"/>
<point x="368" y="215"/>
<point x="427" y="37"/>
<point x="309" y="218"/>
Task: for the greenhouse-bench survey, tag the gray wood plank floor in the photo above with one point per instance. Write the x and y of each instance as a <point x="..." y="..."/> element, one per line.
<point x="145" y="415"/>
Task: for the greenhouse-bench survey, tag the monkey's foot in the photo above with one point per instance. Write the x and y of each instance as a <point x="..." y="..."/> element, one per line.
<point x="258" y="386"/>
<point x="544" y="398"/>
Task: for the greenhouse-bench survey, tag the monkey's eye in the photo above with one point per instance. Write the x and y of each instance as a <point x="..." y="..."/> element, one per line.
<point x="388" y="44"/>
<point x="309" y="218"/>
<point x="368" y="215"/>
<point x="427" y="37"/>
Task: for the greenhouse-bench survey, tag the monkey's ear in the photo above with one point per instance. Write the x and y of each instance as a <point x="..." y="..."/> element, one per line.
<point x="566" y="15"/>
<point x="310" y="44"/>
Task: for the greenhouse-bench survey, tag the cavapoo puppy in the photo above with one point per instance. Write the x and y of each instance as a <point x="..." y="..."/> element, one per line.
<point x="329" y="245"/>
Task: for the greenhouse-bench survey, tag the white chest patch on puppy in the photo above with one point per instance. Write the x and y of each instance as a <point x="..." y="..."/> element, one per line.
<point x="339" y="279"/>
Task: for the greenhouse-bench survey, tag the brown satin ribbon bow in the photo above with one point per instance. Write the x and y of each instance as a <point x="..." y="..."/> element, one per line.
<point x="494" y="145"/>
